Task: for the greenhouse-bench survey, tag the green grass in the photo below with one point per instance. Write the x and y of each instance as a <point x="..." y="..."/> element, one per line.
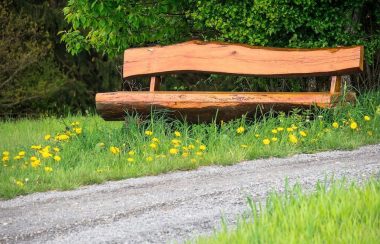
<point x="85" y="161"/>
<point x="340" y="213"/>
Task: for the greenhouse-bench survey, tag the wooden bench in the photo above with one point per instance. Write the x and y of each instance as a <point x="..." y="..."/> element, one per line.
<point x="224" y="58"/>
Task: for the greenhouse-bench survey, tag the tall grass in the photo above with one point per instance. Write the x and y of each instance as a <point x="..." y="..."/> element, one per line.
<point x="86" y="157"/>
<point x="340" y="213"/>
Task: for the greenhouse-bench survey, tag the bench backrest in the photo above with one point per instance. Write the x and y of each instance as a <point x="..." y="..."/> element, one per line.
<point x="224" y="58"/>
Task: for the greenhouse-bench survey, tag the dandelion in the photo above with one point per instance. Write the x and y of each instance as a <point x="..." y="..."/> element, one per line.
<point x="202" y="147"/>
<point x="62" y="137"/>
<point x="185" y="154"/>
<point x="47" y="137"/>
<point x="5" y="159"/>
<point x="280" y="128"/>
<point x="33" y="158"/>
<point x="131" y="160"/>
<point x="257" y="135"/>
<point x="367" y="118"/>
<point x="154" y="139"/>
<point x="114" y="150"/>
<point x="78" y="130"/>
<point x="176" y="141"/>
<point x="56" y="149"/>
<point x="293" y="139"/>
<point x="18" y="157"/>
<point x="173" y="151"/>
<point x="191" y="146"/>
<point x="153" y="145"/>
<point x="243" y="145"/>
<point x="148" y="132"/>
<point x="370" y="133"/>
<point x="46" y="154"/>
<point x="36" y="163"/>
<point x="76" y="123"/>
<point x="353" y="125"/>
<point x="149" y="159"/>
<point x="266" y="141"/>
<point x="177" y="133"/>
<point x="335" y="125"/>
<point x="274" y="131"/>
<point x="36" y="147"/>
<point x="289" y="129"/>
<point x="294" y="127"/>
<point x="57" y="158"/>
<point x="199" y="153"/>
<point x="48" y="169"/>
<point x="21" y="153"/>
<point x="303" y="133"/>
<point x="19" y="183"/>
<point x="274" y="139"/>
<point x="5" y="153"/>
<point x="240" y="130"/>
<point x="131" y="153"/>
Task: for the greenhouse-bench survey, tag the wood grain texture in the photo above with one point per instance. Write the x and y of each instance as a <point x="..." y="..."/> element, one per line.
<point x="203" y="106"/>
<point x="224" y="58"/>
<point x="336" y="84"/>
<point x="154" y="83"/>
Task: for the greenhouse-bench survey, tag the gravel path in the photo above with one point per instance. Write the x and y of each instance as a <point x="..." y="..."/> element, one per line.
<point x="170" y="207"/>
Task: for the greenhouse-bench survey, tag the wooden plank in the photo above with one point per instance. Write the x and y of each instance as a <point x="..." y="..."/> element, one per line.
<point x="336" y="84"/>
<point x="202" y="106"/>
<point x="224" y="58"/>
<point x="154" y="83"/>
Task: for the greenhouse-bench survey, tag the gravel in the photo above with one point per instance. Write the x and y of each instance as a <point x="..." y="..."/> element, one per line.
<point x="171" y="207"/>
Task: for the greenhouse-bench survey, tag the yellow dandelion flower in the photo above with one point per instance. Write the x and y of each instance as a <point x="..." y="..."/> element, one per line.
<point x="173" y="151"/>
<point x="153" y="145"/>
<point x="191" y="146"/>
<point x="202" y="147"/>
<point x="19" y="183"/>
<point x="18" y="157"/>
<point x="274" y="139"/>
<point x="57" y="158"/>
<point x="78" y="130"/>
<point x="5" y="158"/>
<point x="33" y="158"/>
<point x="367" y="118"/>
<point x="36" y="147"/>
<point x="353" y="125"/>
<point x="56" y="149"/>
<point x="47" y="137"/>
<point x="149" y="159"/>
<point x="240" y="130"/>
<point x="5" y="153"/>
<point x="131" y="160"/>
<point x="266" y="141"/>
<point x="199" y="153"/>
<point x="75" y="123"/>
<point x="148" y="132"/>
<point x="303" y="133"/>
<point x="244" y="145"/>
<point x="185" y="154"/>
<point x="293" y="139"/>
<point x="48" y="169"/>
<point x="175" y="141"/>
<point x="280" y="128"/>
<point x="274" y="131"/>
<point x="35" y="163"/>
<point x="289" y="129"/>
<point x="114" y="150"/>
<point x="154" y="139"/>
<point x="62" y="137"/>
<point x="335" y="125"/>
<point x="131" y="153"/>
<point x="21" y="153"/>
<point x="177" y="133"/>
<point x="185" y="148"/>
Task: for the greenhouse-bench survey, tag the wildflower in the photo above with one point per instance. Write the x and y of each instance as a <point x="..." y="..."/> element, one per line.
<point x="353" y="125"/>
<point x="154" y="139"/>
<point x="266" y="141"/>
<point x="191" y="146"/>
<point x="173" y="151"/>
<point x="36" y="163"/>
<point x="293" y="139"/>
<point x="62" y="137"/>
<point x="185" y="154"/>
<point x="56" y="149"/>
<point x="5" y="153"/>
<point x="21" y="153"/>
<point x="149" y="159"/>
<point x="46" y="154"/>
<point x="177" y="133"/>
<point x="274" y="131"/>
<point x="131" y="153"/>
<point x="19" y="183"/>
<point x="257" y="135"/>
<point x="370" y="133"/>
<point x="36" y="147"/>
<point x="57" y="158"/>
<point x="48" y="169"/>
<point x="367" y="118"/>
<point x="202" y="147"/>
<point x="303" y="133"/>
<point x="131" y="160"/>
<point x="294" y="127"/>
<point x="18" y="157"/>
<point x="148" y="132"/>
<point x="289" y="129"/>
<point x="153" y="145"/>
<point x="335" y="125"/>
<point x="5" y="158"/>
<point x="280" y="129"/>
<point x="199" y="153"/>
<point x="114" y="150"/>
<point x="274" y="139"/>
<point x="33" y="158"/>
<point x="176" y="141"/>
<point x="78" y="130"/>
<point x="240" y="130"/>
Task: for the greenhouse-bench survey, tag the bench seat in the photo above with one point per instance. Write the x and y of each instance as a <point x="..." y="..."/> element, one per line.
<point x="204" y="106"/>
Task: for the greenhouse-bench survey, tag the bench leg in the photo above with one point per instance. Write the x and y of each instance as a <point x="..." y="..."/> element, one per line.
<point x="154" y="83"/>
<point x="336" y="84"/>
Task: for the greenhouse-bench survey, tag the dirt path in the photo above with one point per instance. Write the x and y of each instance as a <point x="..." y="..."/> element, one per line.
<point x="169" y="207"/>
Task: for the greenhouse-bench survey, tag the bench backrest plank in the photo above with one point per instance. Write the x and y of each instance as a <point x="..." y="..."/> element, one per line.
<point x="224" y="58"/>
